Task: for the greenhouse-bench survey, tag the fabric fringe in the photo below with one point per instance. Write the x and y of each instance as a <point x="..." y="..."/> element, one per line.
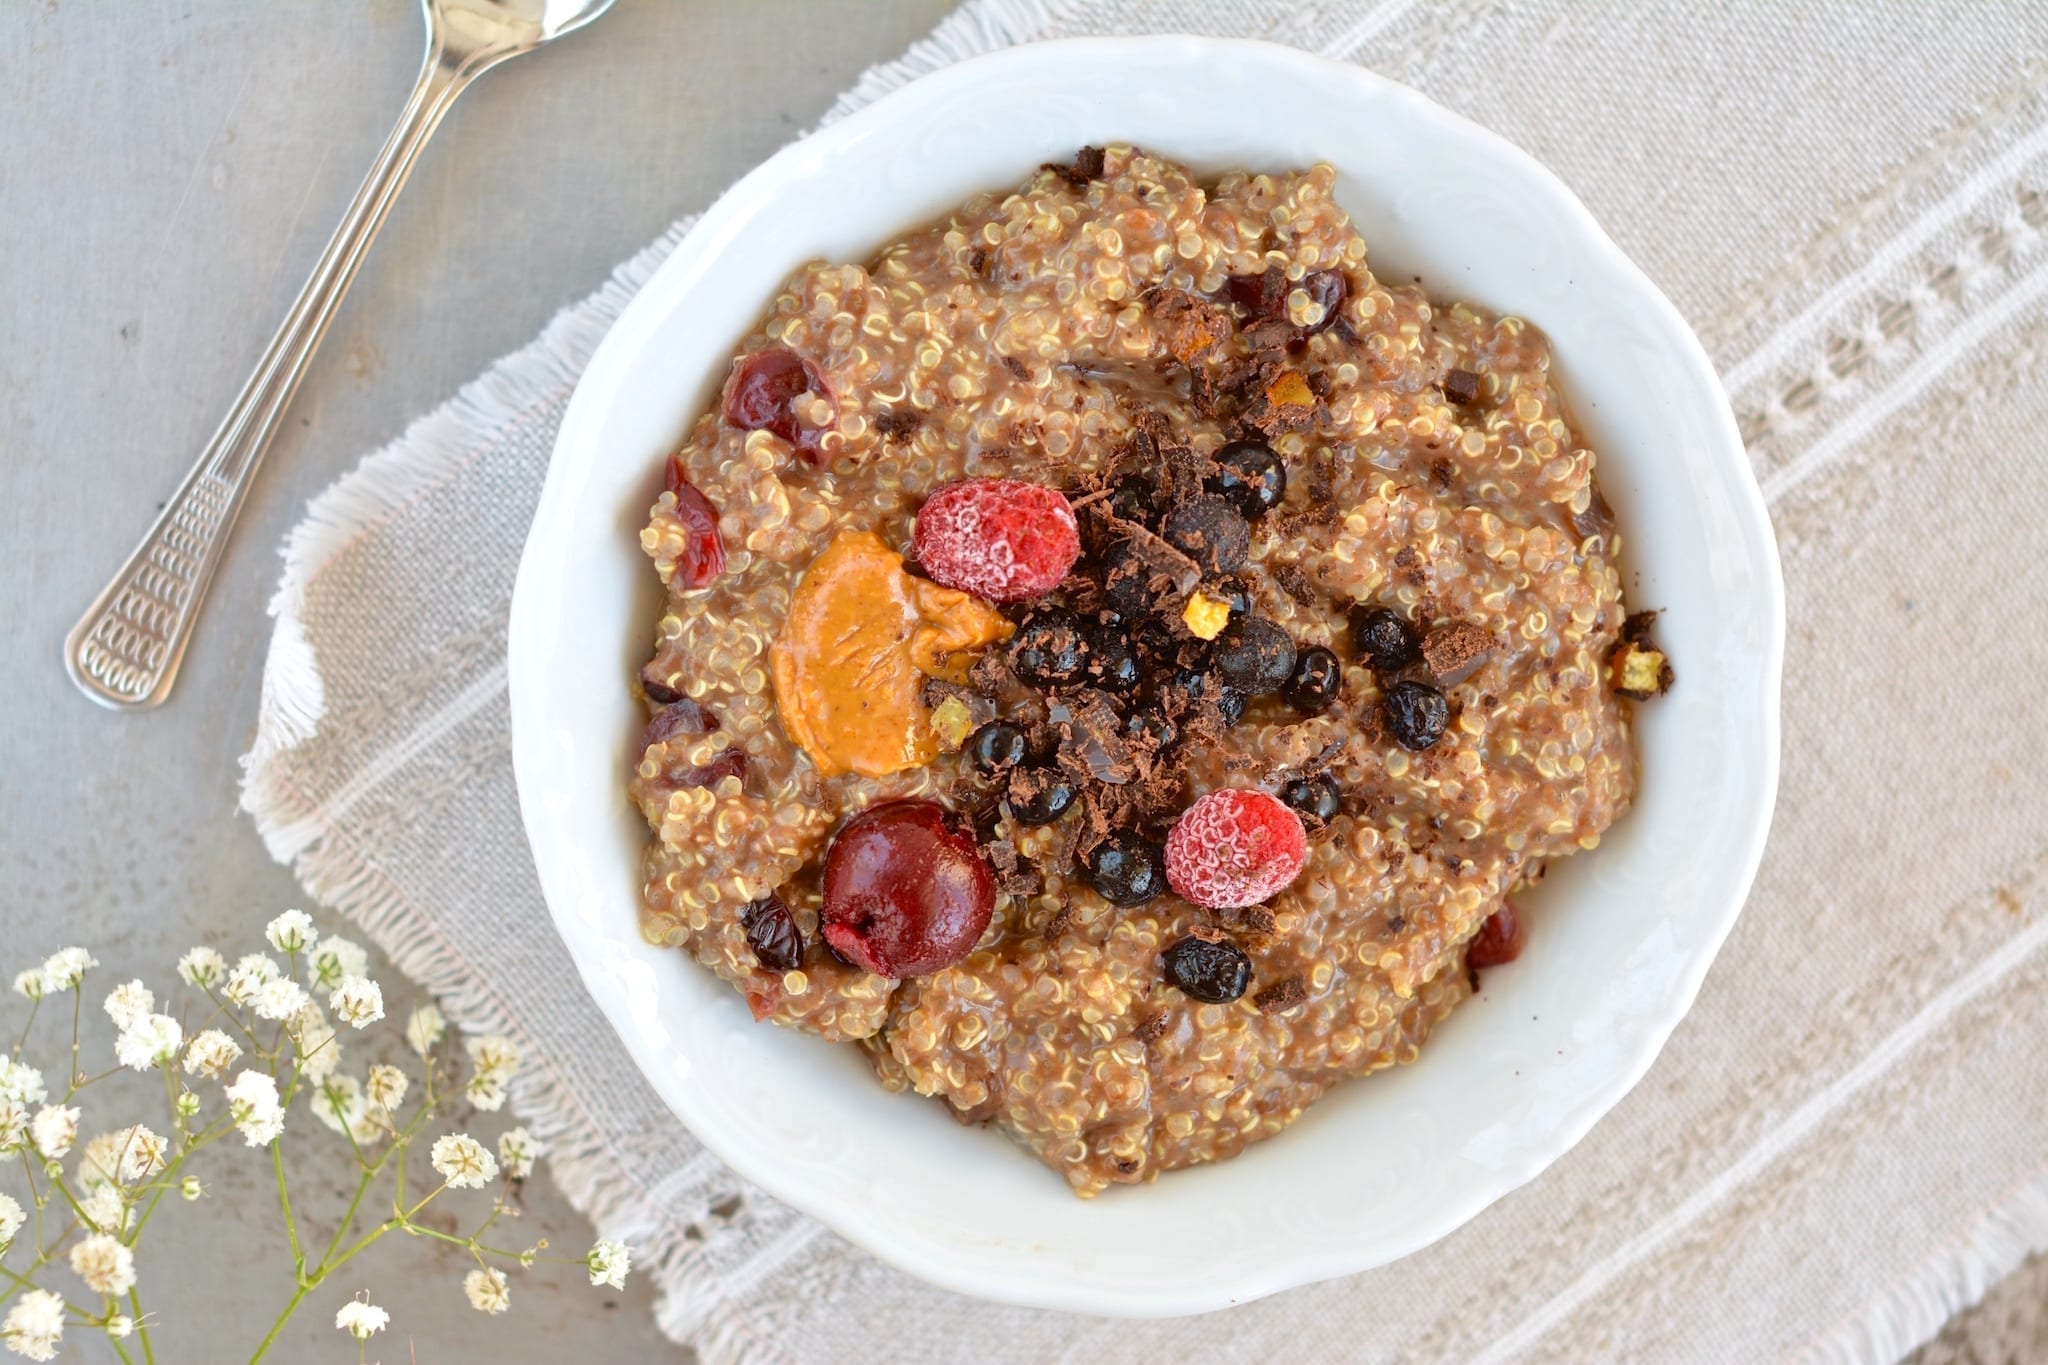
<point x="1954" y="1278"/>
<point x="435" y="448"/>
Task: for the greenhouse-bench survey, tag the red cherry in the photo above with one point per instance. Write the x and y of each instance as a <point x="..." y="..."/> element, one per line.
<point x="906" y="891"/>
<point x="703" y="556"/>
<point x="762" y="390"/>
<point x="1498" y="941"/>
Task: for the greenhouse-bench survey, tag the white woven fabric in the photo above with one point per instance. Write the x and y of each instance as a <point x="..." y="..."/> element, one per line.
<point x="1847" y="1139"/>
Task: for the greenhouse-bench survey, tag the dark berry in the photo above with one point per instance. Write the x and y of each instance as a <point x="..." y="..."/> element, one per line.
<point x="1050" y="649"/>
<point x="1499" y="940"/>
<point x="1230" y="704"/>
<point x="1314" y="796"/>
<point x="680" y="717"/>
<point x="703" y="554"/>
<point x="761" y="393"/>
<point x="1126" y="579"/>
<point x="1251" y="476"/>
<point x="1127" y="869"/>
<point x="1133" y="498"/>
<point x="1329" y="288"/>
<point x="1384" y="638"/>
<point x="773" y="934"/>
<point x="1234" y="591"/>
<point x="1254" y="655"/>
<point x="906" y="891"/>
<point x="1202" y="684"/>
<point x="1039" y="796"/>
<point x="1417" y="714"/>
<point x="1150" y="725"/>
<point x="1211" y="532"/>
<point x="1113" y="659"/>
<point x="1316" y="681"/>
<point x="1211" y="969"/>
<point x="996" y="747"/>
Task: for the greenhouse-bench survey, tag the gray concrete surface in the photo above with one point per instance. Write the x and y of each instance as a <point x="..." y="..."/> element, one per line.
<point x="168" y="172"/>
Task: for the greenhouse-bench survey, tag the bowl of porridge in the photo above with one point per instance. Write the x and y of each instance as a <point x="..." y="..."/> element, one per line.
<point x="1218" y="660"/>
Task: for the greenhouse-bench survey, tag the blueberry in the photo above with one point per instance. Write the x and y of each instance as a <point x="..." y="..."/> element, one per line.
<point x="1234" y="591"/>
<point x="1417" y="714"/>
<point x="1127" y="869"/>
<point x="1254" y="655"/>
<point x="1211" y="532"/>
<point x="1112" y="659"/>
<point x="1251" y="476"/>
<point x="1133" y="498"/>
<point x="1199" y="683"/>
<point x="1384" y="638"/>
<point x="1050" y="650"/>
<point x="996" y="747"/>
<point x="1042" y="797"/>
<point x="1313" y="796"/>
<point x="1215" y="971"/>
<point x="1315" y="683"/>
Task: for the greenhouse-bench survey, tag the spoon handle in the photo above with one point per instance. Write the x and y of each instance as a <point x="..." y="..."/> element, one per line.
<point x="125" y="651"/>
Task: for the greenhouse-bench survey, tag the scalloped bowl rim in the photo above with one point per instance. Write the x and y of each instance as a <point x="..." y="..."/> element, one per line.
<point x="566" y="759"/>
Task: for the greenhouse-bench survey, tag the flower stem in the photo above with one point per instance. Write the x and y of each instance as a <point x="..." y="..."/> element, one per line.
<point x="141" y="1325"/>
<point x="291" y="1224"/>
<point x="270" y="1337"/>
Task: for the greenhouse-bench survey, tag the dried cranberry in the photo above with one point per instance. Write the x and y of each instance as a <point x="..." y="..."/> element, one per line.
<point x="773" y="934"/>
<point x="654" y="682"/>
<point x="680" y="717"/>
<point x="1499" y="940"/>
<point x="906" y="891"/>
<point x="703" y="556"/>
<point x="762" y="391"/>
<point x="1329" y="288"/>
<point x="1208" y="967"/>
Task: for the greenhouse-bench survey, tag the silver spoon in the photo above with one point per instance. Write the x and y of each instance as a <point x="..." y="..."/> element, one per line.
<point x="125" y="651"/>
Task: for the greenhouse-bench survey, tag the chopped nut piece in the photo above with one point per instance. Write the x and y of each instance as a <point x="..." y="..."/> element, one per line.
<point x="952" y="722"/>
<point x="1640" y="673"/>
<point x="1281" y="996"/>
<point x="1206" y="616"/>
<point x="1290" y="390"/>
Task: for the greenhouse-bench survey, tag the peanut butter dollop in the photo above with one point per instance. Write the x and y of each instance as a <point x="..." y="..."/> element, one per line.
<point x="859" y="641"/>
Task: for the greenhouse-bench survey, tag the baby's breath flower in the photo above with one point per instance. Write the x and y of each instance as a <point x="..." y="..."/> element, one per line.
<point x="34" y="1325"/>
<point x="106" y="1211"/>
<point x="104" y="1264"/>
<point x="99" y="1160"/>
<point x="13" y="1125"/>
<point x="252" y="1104"/>
<point x="55" y="1128"/>
<point x="31" y="982"/>
<point x="20" y="1081"/>
<point x="424" y="1028"/>
<point x="150" y="1041"/>
<point x="494" y="1059"/>
<point x="190" y="1189"/>
<point x="338" y="1103"/>
<point x="203" y="967"/>
<point x="291" y="932"/>
<point x="487" y="1290"/>
<point x="361" y="1319"/>
<point x="386" y="1087"/>
<point x="319" y="1046"/>
<point x="211" y="1054"/>
<point x="608" y="1263"/>
<point x="485" y="1092"/>
<point x="120" y="1325"/>
<point x="358" y="1001"/>
<point x="518" y="1150"/>
<point x="462" y="1161"/>
<point x="251" y="973"/>
<point x="128" y="1002"/>
<point x="65" y="969"/>
<point x="186" y="1105"/>
<point x="11" y="1218"/>
<point x="335" y="960"/>
<point x="280" y="999"/>
<point x="142" y="1154"/>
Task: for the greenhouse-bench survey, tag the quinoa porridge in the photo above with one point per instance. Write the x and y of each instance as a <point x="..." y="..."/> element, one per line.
<point x="1121" y="658"/>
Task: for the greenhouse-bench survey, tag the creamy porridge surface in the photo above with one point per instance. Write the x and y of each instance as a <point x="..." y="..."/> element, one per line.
<point x="1108" y="331"/>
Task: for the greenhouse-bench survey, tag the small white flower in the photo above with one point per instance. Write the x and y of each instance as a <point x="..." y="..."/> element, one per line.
<point x="335" y="960"/>
<point x="608" y="1263"/>
<point x="151" y="1041"/>
<point x="358" y="1001"/>
<point x="252" y="1104"/>
<point x="462" y="1161"/>
<point x="291" y="932"/>
<point x="494" y="1059"/>
<point x="518" y="1150"/>
<point x="279" y="999"/>
<point x="106" y="1211"/>
<point x="11" y="1218"/>
<point x="203" y="967"/>
<point x="65" y="969"/>
<point x="128" y="1002"/>
<point x="13" y="1125"/>
<point x="20" y="1081"/>
<point x="186" y="1105"/>
<point x="250" y="974"/>
<point x="424" y="1028"/>
<point x="386" y="1087"/>
<point x="486" y="1093"/>
<point x="100" y="1161"/>
<point x="55" y="1128"/>
<point x="120" y="1325"/>
<point x="319" y="1046"/>
<point x="487" y="1290"/>
<point x="211" y="1054"/>
<point x="104" y="1264"/>
<point x="190" y="1189"/>
<point x="34" y="1325"/>
<point x="360" y="1320"/>
<point x="31" y="983"/>
<point x="338" y="1103"/>
<point x="141" y="1154"/>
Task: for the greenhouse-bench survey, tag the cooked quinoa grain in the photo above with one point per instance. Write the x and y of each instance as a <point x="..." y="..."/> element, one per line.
<point x="1429" y="469"/>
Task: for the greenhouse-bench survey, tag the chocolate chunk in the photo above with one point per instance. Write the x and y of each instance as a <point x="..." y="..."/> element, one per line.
<point x="1455" y="651"/>
<point x="1151" y="1028"/>
<point x="1087" y="166"/>
<point x="1089" y="739"/>
<point x="1293" y="581"/>
<point x="1281" y="996"/>
<point x="897" y="424"/>
<point x="1396" y="923"/>
<point x="1461" y="387"/>
<point x="1256" y="919"/>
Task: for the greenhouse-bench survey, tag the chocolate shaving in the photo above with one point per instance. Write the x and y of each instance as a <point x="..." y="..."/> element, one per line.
<point x="1061" y="921"/>
<point x="977" y="260"/>
<point x="1089" y="736"/>
<point x="1015" y="366"/>
<point x="1292" y="579"/>
<point x="1151" y="1028"/>
<point x="1281" y="996"/>
<point x="1396" y="923"/>
<point x="1189" y="324"/>
<point x="1016" y="875"/>
<point x="898" y="423"/>
<point x="1256" y="919"/>
<point x="1454" y="652"/>
<point x="1088" y="165"/>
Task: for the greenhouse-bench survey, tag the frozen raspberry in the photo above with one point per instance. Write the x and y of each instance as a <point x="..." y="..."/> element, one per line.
<point x="1002" y="539"/>
<point x="703" y="556"/>
<point x="1234" y="848"/>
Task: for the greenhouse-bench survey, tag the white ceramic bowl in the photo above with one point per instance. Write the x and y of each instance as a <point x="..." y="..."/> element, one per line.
<point x="1623" y="936"/>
